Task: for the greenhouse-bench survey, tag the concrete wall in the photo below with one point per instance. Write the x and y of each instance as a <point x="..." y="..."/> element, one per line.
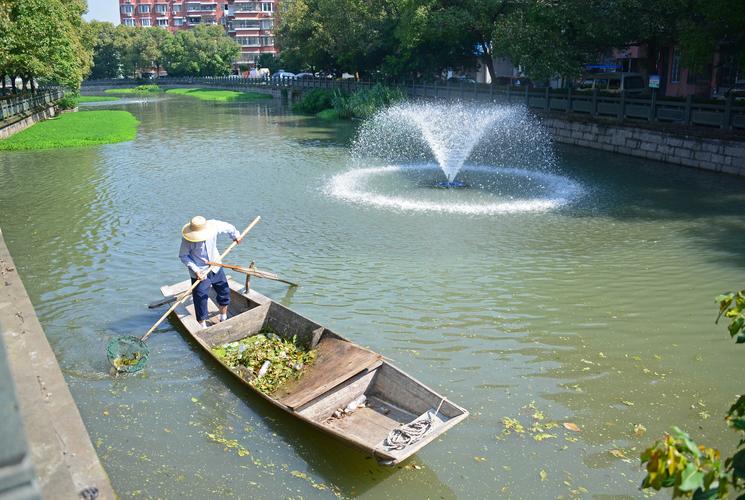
<point x="58" y="444"/>
<point x="719" y="155"/>
<point x="19" y="123"/>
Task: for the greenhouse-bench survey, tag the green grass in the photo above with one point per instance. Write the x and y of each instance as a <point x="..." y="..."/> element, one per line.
<point x="219" y="95"/>
<point x="85" y="128"/>
<point x="328" y="114"/>
<point x="141" y="90"/>
<point x="96" y="98"/>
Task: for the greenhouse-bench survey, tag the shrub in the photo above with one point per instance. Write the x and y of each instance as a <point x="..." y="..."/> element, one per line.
<point x="70" y="101"/>
<point x="314" y="102"/>
<point x="364" y="103"/>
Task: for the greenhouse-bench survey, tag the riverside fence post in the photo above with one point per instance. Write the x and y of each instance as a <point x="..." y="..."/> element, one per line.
<point x="548" y="99"/>
<point x="622" y="106"/>
<point x="527" y="97"/>
<point x="653" y="107"/>
<point x="727" y="118"/>
<point x="687" y="116"/>
<point x="594" y="102"/>
<point x="569" y="100"/>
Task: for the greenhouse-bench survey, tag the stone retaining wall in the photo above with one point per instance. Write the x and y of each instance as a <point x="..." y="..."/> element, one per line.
<point x="16" y="124"/>
<point x="719" y="155"/>
<point x="58" y="444"/>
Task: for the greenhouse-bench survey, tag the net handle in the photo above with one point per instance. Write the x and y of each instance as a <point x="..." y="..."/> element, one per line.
<point x="188" y="292"/>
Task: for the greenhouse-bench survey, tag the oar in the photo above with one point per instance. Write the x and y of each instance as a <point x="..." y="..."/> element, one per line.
<point x="184" y="295"/>
<point x="253" y="272"/>
<point x="245" y="270"/>
<point x="129" y="354"/>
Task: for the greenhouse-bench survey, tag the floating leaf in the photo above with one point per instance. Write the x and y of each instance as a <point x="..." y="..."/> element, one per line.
<point x="194" y="400"/>
<point x="627" y="403"/>
<point x="618" y="453"/>
<point x="480" y="459"/>
<point x="542" y="436"/>
<point x="572" y="427"/>
<point x="543" y="475"/>
<point x="639" y="430"/>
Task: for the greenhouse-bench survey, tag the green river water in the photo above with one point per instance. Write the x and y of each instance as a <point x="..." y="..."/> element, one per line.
<point x="599" y="313"/>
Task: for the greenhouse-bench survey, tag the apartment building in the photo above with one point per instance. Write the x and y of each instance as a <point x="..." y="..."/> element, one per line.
<point x="249" y="22"/>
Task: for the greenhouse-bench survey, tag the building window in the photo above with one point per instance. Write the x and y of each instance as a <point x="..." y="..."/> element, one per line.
<point x="163" y="22"/>
<point x="128" y="9"/>
<point x="267" y="7"/>
<point x="178" y="21"/>
<point x="247" y="7"/>
<point x="145" y="23"/>
<point x="192" y="7"/>
<point x="193" y="20"/>
<point x="267" y="24"/>
<point x="675" y="66"/>
<point x="143" y="9"/>
<point x="176" y="7"/>
<point x="161" y="8"/>
<point x="208" y="6"/>
<point x="267" y="41"/>
<point x="129" y="22"/>
<point x="248" y="41"/>
<point x="247" y="24"/>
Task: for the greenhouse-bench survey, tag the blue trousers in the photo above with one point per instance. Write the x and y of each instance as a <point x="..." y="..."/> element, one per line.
<point x="200" y="294"/>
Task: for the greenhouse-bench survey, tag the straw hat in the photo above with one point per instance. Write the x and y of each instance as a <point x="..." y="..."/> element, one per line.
<point x="197" y="230"/>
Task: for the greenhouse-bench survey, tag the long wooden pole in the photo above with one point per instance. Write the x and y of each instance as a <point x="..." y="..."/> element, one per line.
<point x="186" y="293"/>
<point x="254" y="272"/>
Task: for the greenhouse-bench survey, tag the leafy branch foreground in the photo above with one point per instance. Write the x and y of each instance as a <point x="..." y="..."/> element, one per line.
<point x="249" y="357"/>
<point x="693" y="470"/>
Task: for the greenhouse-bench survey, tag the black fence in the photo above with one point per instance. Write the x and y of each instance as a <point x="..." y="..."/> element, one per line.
<point x="14" y="105"/>
<point x="726" y="114"/>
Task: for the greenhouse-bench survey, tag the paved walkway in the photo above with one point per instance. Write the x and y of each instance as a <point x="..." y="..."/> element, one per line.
<point x="63" y="457"/>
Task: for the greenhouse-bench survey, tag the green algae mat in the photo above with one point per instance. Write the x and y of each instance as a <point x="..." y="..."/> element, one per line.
<point x="219" y="95"/>
<point x="84" y="128"/>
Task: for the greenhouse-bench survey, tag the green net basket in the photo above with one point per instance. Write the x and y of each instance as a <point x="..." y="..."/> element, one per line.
<point x="127" y="354"/>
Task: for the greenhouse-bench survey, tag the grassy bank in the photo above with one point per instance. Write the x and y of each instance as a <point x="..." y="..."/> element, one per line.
<point x="96" y="98"/>
<point x="140" y="90"/>
<point x="85" y="128"/>
<point x="219" y="95"/>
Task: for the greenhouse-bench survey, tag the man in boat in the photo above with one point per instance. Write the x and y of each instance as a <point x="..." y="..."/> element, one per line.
<point x="199" y="246"/>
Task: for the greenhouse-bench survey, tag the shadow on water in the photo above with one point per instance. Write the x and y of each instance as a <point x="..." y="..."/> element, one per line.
<point x="648" y="191"/>
<point x="349" y="469"/>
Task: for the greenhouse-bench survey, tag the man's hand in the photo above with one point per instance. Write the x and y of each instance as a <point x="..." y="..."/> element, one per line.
<point x="238" y="240"/>
<point x="201" y="274"/>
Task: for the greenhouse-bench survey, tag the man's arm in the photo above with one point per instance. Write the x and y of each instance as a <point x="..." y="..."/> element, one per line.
<point x="226" y="228"/>
<point x="185" y="257"/>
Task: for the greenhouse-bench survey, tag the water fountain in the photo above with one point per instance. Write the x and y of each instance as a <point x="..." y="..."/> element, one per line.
<point x="500" y="153"/>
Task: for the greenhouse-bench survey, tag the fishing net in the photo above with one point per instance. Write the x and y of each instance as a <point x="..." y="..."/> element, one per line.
<point x="127" y="354"/>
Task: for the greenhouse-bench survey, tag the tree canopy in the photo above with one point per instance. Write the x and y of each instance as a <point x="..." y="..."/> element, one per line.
<point x="546" y="38"/>
<point x="126" y="51"/>
<point x="44" y="40"/>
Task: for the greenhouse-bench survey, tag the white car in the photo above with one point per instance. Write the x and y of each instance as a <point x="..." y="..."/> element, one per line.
<point x="283" y="75"/>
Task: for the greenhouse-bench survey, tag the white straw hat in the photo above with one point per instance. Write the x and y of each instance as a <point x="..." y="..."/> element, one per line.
<point x="197" y="230"/>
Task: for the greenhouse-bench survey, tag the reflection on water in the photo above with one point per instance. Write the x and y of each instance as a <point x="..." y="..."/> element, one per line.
<point x="597" y="314"/>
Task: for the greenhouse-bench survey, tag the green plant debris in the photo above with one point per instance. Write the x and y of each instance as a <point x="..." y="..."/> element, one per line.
<point x="247" y="357"/>
<point x="139" y="90"/>
<point x="219" y="95"/>
<point x="85" y="128"/>
<point x="229" y="444"/>
<point x="123" y="361"/>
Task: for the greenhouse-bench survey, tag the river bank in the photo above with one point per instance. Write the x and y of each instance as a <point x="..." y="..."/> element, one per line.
<point x="63" y="457"/>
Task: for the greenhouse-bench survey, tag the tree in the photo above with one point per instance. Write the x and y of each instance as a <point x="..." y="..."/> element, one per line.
<point x="107" y="58"/>
<point x="271" y="63"/>
<point x="201" y="51"/>
<point x="44" y="39"/>
<point x="149" y="47"/>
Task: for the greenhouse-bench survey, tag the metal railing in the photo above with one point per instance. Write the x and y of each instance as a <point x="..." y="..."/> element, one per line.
<point x="726" y="114"/>
<point x="11" y="106"/>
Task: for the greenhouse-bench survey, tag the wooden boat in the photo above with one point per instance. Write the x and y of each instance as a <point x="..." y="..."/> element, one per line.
<point x="341" y="372"/>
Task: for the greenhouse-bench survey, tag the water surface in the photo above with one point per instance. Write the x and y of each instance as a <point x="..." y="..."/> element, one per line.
<point x="598" y="312"/>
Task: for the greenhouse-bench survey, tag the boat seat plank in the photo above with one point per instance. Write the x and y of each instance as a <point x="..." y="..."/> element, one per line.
<point x="336" y="362"/>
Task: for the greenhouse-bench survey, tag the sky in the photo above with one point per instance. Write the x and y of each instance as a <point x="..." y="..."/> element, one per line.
<point x="103" y="10"/>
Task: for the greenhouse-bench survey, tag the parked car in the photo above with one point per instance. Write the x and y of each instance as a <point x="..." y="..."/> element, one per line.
<point x="305" y="76"/>
<point x="631" y="83"/>
<point x="513" y="81"/>
<point x="737" y="91"/>
<point x="461" y="79"/>
<point x="283" y="75"/>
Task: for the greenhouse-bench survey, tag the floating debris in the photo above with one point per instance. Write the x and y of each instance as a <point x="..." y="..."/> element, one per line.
<point x="265" y="360"/>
